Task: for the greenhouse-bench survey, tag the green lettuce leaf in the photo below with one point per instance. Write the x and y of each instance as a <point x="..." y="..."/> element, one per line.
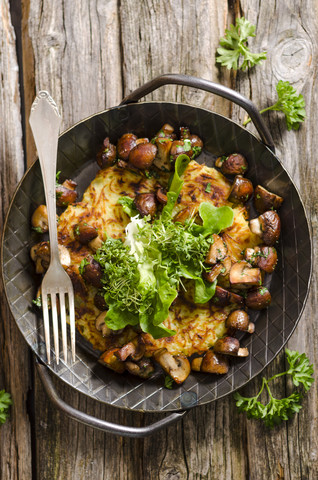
<point x="117" y="318"/>
<point x="176" y="184"/>
<point x="214" y="219"/>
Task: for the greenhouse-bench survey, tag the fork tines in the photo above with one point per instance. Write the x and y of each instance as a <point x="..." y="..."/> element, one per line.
<point x="56" y="300"/>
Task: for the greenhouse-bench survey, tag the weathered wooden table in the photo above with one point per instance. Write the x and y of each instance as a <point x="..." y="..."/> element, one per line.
<point x="90" y="54"/>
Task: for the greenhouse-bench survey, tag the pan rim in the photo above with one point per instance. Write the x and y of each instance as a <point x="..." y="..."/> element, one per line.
<point x="202" y="402"/>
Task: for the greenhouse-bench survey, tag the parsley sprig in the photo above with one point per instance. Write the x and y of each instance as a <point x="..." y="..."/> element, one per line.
<point x="5" y="402"/>
<point x="291" y="104"/>
<point x="234" y="45"/>
<point x="278" y="410"/>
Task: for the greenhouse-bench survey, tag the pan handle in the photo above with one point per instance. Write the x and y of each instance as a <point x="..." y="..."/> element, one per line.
<point x="200" y="83"/>
<point x="89" y="420"/>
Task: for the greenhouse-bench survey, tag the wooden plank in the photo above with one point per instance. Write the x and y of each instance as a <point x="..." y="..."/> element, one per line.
<point x="288" y="38"/>
<point x="90" y="54"/>
<point x="15" y="444"/>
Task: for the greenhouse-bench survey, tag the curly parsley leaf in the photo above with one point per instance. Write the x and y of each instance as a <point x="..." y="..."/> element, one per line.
<point x="278" y="410"/>
<point x="290" y="103"/>
<point x="168" y="382"/>
<point x="299" y="369"/>
<point x="5" y="402"/>
<point x="234" y="45"/>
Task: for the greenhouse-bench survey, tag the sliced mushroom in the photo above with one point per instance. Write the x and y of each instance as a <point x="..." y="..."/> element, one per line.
<point x="214" y="273"/>
<point x="146" y="204"/>
<point x="230" y="346"/>
<point x="177" y="366"/>
<point x="217" y="251"/>
<point x="101" y="325"/>
<point x="242" y="190"/>
<point x="126" y="351"/>
<point x="240" y="320"/>
<point x="65" y="257"/>
<point x="40" y="254"/>
<point x="264" y="257"/>
<point x="267" y="226"/>
<point x="109" y="359"/>
<point x="223" y="297"/>
<point x="242" y="275"/>
<point x="226" y="264"/>
<point x="161" y="196"/>
<point x="258" y="298"/>
<point x="125" y="144"/>
<point x="66" y="193"/>
<point x="234" y="164"/>
<point x="107" y="154"/>
<point x="142" y="155"/>
<point x="39" y="220"/>
<point x="92" y="273"/>
<point x="211" y="363"/>
<point x="265" y="200"/>
<point x="95" y="244"/>
<point x="84" y="233"/>
<point x="184" y="215"/>
<point x="162" y="159"/>
<point x="142" y="368"/>
<point x="99" y="301"/>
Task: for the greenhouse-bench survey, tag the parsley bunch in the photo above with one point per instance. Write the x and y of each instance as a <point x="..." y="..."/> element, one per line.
<point x="234" y="45"/>
<point x="5" y="402"/>
<point x="278" y="410"/>
<point x="291" y="104"/>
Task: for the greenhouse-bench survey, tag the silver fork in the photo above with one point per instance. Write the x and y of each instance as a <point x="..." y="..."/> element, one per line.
<point x="45" y="124"/>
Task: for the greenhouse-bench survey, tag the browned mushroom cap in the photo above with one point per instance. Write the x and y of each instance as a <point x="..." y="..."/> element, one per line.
<point x="39" y="219"/>
<point x="162" y="159"/>
<point x="235" y="164"/>
<point x="107" y="154"/>
<point x="179" y="147"/>
<point x="125" y="144"/>
<point x="177" y="366"/>
<point x="240" y="320"/>
<point x="267" y="226"/>
<point x="66" y="193"/>
<point x="142" y="368"/>
<point x="230" y="346"/>
<point x="92" y="273"/>
<point x="242" y="275"/>
<point x="161" y="196"/>
<point x="211" y="363"/>
<point x="214" y="273"/>
<point x="242" y="190"/>
<point x="184" y="133"/>
<point x="166" y="131"/>
<point x="146" y="204"/>
<point x="263" y="257"/>
<point x="196" y="142"/>
<point x="223" y="297"/>
<point x="101" y="325"/>
<point x="84" y="233"/>
<point x="109" y="359"/>
<point x="142" y="155"/>
<point x="99" y="301"/>
<point x="217" y="251"/>
<point x="265" y="200"/>
<point x="258" y="298"/>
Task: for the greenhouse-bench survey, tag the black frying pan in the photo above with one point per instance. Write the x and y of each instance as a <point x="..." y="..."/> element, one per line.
<point x="76" y="159"/>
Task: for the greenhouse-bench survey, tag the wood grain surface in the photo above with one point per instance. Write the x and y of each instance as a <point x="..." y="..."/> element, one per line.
<point x="89" y="54"/>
